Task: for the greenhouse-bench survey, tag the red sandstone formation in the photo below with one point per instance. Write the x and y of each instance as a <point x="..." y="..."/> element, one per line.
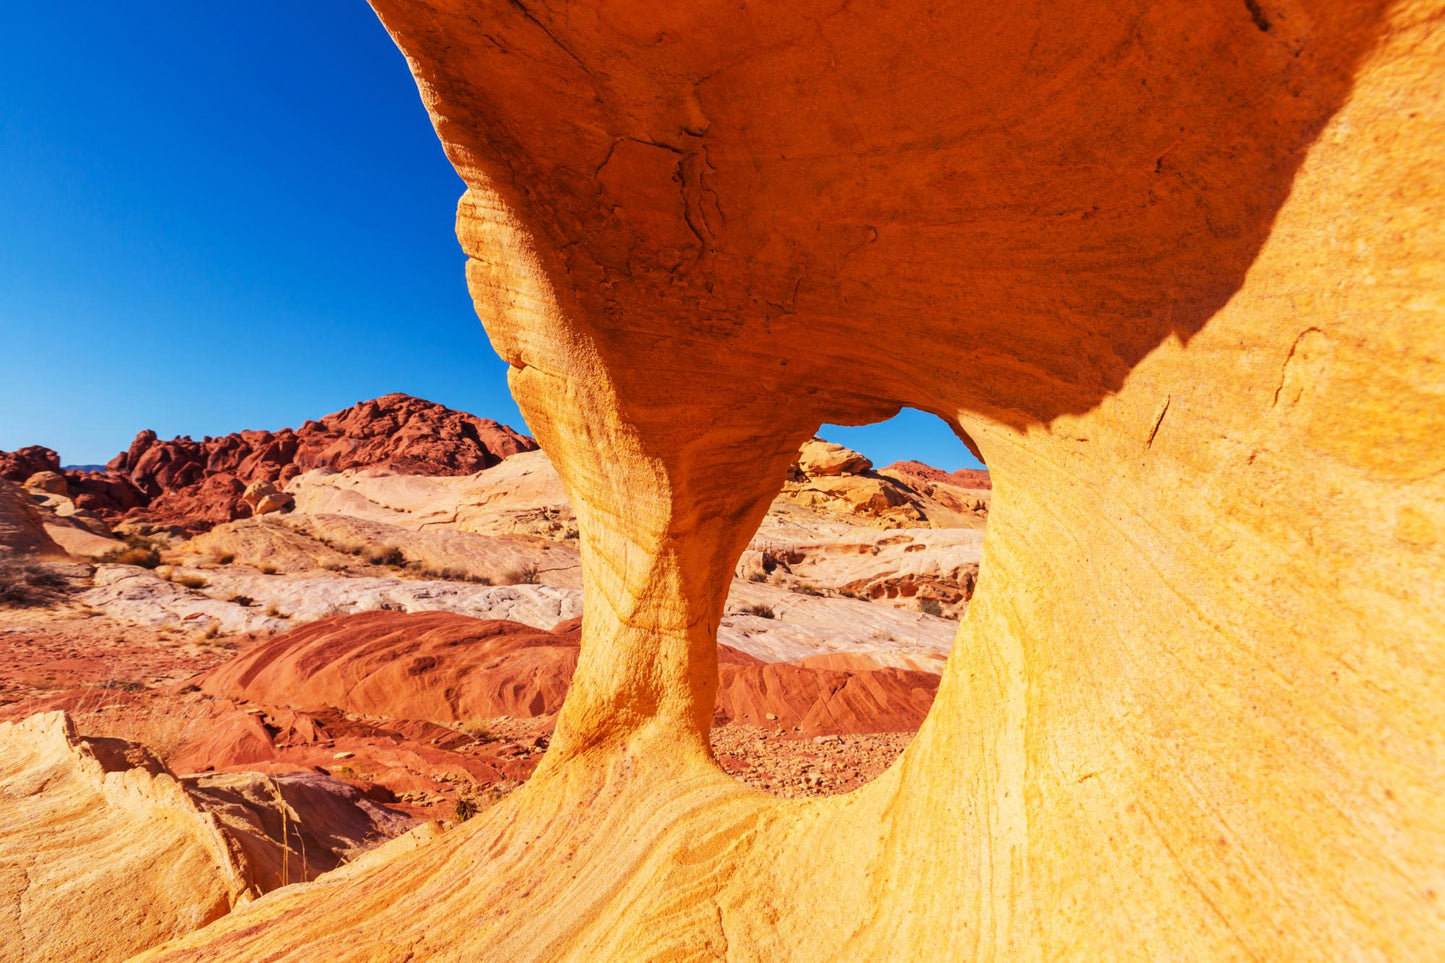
<point x="820" y="700"/>
<point x="441" y="667"/>
<point x="194" y="485"/>
<point x="916" y="471"/>
<point x="19" y="465"/>
<point x="430" y="665"/>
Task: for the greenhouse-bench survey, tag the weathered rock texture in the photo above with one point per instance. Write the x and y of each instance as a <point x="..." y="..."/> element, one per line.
<point x="441" y="667"/>
<point x="1175" y="268"/>
<point x="193" y="485"/>
<point x="22" y="529"/>
<point x="196" y="484"/>
<point x="18" y="465"/>
<point x="102" y="853"/>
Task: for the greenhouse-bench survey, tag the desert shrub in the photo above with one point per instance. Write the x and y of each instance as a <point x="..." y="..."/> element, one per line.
<point x="267" y="569"/>
<point x="803" y="588"/>
<point x="388" y="555"/>
<point x="930" y="606"/>
<point x="519" y="575"/>
<point x="761" y="611"/>
<point x="26" y="582"/>
<point x="224" y="558"/>
<point x="122" y="685"/>
<point x="137" y="551"/>
<point x="448" y="574"/>
<point x="464" y="809"/>
<point x="245" y="601"/>
<point x="189" y="581"/>
<point x="144" y="557"/>
<point x="276" y="613"/>
<point x="478" y="730"/>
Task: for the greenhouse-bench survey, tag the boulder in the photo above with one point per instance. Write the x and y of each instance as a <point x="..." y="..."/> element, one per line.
<point x="264" y="497"/>
<point x="818" y="457"/>
<point x="50" y="482"/>
<point x="274" y="502"/>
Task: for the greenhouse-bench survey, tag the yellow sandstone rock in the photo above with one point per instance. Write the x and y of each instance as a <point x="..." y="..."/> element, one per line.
<point x="1174" y="268"/>
<point x="100" y="855"/>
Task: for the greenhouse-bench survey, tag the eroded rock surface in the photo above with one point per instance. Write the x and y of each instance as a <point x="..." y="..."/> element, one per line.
<point x="1173" y="268"/>
<point x="447" y="668"/>
<point x="102" y="853"/>
<point x="22" y="528"/>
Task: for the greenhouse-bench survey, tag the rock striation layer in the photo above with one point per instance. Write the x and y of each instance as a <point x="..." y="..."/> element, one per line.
<point x="441" y="667"/>
<point x="1173" y="268"/>
<point x="102" y="853"/>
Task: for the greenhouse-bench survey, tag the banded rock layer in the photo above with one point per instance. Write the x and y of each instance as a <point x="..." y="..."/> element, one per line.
<point x="1173" y="268"/>
<point x="441" y="667"/>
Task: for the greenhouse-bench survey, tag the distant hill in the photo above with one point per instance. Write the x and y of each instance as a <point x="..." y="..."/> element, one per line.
<point x="193" y="485"/>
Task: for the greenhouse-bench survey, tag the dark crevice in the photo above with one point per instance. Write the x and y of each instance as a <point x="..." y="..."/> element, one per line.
<point x="1257" y="15"/>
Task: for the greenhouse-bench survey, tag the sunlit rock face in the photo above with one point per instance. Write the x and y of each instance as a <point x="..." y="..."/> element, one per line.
<point x="1175" y="270"/>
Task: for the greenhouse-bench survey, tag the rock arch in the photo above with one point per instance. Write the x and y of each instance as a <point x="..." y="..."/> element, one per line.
<point x="1175" y="269"/>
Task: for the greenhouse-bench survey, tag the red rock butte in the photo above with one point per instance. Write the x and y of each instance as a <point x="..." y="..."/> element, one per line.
<point x="193" y="485"/>
<point x="1174" y="269"/>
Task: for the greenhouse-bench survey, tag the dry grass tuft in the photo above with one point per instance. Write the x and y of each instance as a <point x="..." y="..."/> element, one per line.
<point x="519" y="575"/>
<point x="137" y="551"/>
<point x="26" y="582"/>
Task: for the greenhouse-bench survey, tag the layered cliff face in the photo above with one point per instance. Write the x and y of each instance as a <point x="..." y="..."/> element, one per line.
<point x="1173" y="268"/>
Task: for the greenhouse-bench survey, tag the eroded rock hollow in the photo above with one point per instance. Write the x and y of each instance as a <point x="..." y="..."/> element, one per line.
<point x="1174" y="269"/>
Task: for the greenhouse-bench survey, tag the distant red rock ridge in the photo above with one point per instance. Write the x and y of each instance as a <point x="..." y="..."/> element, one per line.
<point x="194" y="485"/>
<point x="963" y="477"/>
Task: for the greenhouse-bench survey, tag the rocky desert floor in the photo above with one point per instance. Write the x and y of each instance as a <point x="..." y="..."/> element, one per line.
<point x="328" y="659"/>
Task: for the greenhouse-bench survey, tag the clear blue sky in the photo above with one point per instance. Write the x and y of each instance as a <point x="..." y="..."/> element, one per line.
<point x="223" y="216"/>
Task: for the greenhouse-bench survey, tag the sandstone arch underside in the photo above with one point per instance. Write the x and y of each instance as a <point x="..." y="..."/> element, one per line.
<point x="1175" y="268"/>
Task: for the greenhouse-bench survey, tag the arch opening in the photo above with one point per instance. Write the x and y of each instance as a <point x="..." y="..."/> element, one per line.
<point x="845" y="605"/>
